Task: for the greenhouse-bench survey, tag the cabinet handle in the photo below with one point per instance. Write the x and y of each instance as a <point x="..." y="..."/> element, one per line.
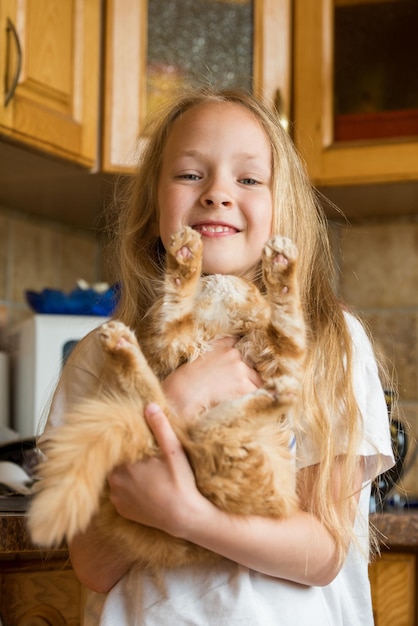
<point x="9" y="91"/>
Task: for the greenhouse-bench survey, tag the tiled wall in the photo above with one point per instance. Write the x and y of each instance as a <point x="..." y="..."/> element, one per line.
<point x="379" y="279"/>
<point x="35" y="254"/>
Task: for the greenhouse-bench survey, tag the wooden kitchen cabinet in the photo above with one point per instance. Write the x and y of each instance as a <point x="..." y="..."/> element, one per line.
<point x="394" y="583"/>
<point x="81" y="95"/>
<point x="50" y="69"/>
<point x="354" y="159"/>
<point x="42" y="597"/>
<point x="127" y="92"/>
<point x="37" y="587"/>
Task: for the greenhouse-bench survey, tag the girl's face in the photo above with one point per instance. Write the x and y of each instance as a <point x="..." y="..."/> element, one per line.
<point x="216" y="178"/>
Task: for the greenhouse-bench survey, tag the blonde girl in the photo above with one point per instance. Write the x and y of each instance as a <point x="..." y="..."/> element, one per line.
<point x="221" y="163"/>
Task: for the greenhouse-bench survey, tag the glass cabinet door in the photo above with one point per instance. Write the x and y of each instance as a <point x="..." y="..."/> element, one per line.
<point x="375" y="69"/>
<point x="154" y="47"/>
<point x="195" y="42"/>
<point x="356" y="90"/>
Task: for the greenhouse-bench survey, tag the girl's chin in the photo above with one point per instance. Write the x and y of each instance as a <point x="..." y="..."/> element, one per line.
<point x="224" y="268"/>
<point x="225" y="263"/>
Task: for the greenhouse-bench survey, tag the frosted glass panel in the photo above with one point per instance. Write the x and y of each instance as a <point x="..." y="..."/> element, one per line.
<point x="195" y="42"/>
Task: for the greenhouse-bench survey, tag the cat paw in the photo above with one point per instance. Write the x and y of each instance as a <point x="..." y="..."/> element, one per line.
<point x="185" y="245"/>
<point x="116" y="337"/>
<point x="279" y="258"/>
<point x="184" y="254"/>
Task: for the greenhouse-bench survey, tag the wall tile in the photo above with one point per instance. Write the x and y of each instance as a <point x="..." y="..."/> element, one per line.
<point x="396" y="336"/>
<point x="79" y="259"/>
<point x="106" y="266"/>
<point x="35" y="258"/>
<point x="37" y="253"/>
<point x="380" y="267"/>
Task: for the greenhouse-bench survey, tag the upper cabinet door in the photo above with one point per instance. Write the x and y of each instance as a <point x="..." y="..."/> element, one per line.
<point x="50" y="64"/>
<point x="153" y="48"/>
<point x="356" y="90"/>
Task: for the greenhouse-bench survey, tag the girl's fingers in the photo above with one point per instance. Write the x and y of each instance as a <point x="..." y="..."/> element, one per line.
<point x="162" y="429"/>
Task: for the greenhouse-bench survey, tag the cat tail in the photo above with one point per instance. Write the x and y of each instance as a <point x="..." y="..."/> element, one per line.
<point x="94" y="438"/>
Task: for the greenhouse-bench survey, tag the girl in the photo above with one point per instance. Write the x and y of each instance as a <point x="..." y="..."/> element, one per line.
<point x="221" y="163"/>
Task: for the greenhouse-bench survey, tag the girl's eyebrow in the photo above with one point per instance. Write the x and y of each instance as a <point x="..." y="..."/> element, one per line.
<point x="192" y="153"/>
<point x="198" y="154"/>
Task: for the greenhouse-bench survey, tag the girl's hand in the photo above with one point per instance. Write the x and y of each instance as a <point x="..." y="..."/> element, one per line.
<point x="215" y="377"/>
<point x="157" y="491"/>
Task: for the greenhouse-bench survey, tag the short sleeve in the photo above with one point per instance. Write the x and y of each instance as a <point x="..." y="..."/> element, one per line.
<point x="375" y="447"/>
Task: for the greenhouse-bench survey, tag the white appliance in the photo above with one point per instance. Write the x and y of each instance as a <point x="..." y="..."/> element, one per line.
<point x="38" y="348"/>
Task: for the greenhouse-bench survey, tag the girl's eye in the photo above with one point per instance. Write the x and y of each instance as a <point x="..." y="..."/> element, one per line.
<point x="249" y="181"/>
<point x="189" y="176"/>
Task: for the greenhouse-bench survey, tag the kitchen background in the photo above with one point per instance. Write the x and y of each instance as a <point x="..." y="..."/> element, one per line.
<point x="49" y="234"/>
<point x="77" y="79"/>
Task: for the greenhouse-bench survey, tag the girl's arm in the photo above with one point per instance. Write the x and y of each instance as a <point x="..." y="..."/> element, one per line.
<point x="161" y="492"/>
<point x="97" y="565"/>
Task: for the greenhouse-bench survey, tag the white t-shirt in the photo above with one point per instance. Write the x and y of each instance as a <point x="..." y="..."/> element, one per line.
<point x="227" y="594"/>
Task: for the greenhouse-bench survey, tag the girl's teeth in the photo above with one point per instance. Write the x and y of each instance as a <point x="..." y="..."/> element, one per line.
<point x="215" y="229"/>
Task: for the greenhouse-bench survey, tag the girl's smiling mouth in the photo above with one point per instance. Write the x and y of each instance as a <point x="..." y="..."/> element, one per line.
<point x="207" y="229"/>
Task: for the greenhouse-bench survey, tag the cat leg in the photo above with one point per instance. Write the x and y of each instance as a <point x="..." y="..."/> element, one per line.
<point x="279" y="261"/>
<point x="96" y="435"/>
<point x="126" y="365"/>
<point x="280" y="348"/>
<point x="170" y="338"/>
<point x="184" y="266"/>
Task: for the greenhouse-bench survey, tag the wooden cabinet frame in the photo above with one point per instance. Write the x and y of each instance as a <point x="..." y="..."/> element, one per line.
<point x="332" y="163"/>
<point x="125" y="70"/>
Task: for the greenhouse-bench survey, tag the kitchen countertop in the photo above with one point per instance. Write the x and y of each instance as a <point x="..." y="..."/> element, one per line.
<point x="15" y="541"/>
<point x="397" y="531"/>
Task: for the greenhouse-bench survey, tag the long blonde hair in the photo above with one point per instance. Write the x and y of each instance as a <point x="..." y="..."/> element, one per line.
<point x="328" y="390"/>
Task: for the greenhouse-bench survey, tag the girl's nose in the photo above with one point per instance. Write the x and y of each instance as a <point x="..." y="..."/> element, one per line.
<point x="214" y="198"/>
